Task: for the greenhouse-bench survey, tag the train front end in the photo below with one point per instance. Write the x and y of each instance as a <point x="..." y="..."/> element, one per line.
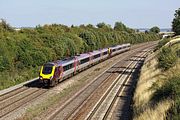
<point x="46" y="74"/>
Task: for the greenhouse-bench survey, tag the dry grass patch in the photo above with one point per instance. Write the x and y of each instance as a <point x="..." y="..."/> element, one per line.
<point x="150" y="78"/>
<point x="149" y="75"/>
<point x="157" y="113"/>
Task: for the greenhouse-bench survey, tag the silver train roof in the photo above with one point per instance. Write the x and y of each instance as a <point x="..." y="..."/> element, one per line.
<point x="79" y="57"/>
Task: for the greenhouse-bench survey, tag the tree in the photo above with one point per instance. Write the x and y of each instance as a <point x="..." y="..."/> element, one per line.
<point x="137" y="30"/>
<point x="101" y="25"/>
<point x="119" y="26"/>
<point x="5" y="25"/>
<point x="89" y="39"/>
<point x="155" y="29"/>
<point x="146" y="31"/>
<point x="90" y="26"/>
<point x="105" y="27"/>
<point x="176" y="22"/>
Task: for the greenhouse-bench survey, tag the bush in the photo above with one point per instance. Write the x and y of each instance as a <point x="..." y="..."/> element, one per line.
<point x="170" y="90"/>
<point x="162" y="43"/>
<point x="178" y="53"/>
<point x="163" y="92"/>
<point x="4" y="63"/>
<point x="166" y="58"/>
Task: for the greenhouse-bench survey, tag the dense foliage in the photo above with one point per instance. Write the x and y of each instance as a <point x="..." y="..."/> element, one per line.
<point x="176" y="22"/>
<point x="26" y="49"/>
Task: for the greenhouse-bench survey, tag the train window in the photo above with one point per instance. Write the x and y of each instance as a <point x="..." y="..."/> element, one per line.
<point x="67" y="67"/>
<point x="104" y="53"/>
<point x="47" y="70"/>
<point x="84" y="60"/>
<point x="119" y="48"/>
<point x="114" y="50"/>
<point x="96" y="56"/>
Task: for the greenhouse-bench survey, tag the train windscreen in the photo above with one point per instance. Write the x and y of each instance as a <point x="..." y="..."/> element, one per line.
<point x="47" y="69"/>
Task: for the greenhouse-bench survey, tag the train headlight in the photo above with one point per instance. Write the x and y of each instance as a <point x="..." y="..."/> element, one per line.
<point x="40" y="78"/>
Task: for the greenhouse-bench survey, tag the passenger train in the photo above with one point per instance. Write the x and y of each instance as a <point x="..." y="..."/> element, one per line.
<point x="52" y="73"/>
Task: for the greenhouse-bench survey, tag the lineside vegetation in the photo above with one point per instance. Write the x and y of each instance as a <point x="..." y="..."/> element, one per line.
<point x="157" y="95"/>
<point x="23" y="51"/>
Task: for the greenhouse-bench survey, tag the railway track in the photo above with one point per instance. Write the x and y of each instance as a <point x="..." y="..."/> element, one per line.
<point x="84" y="101"/>
<point x="12" y="93"/>
<point x="15" y="99"/>
<point x="103" y="108"/>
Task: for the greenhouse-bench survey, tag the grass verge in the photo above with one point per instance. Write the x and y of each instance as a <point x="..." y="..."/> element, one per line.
<point x="157" y="95"/>
<point x="11" y="78"/>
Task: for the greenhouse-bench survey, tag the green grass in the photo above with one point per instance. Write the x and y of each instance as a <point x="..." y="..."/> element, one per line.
<point x="13" y="77"/>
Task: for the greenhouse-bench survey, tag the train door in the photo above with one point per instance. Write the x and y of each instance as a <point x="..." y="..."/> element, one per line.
<point x="76" y="65"/>
<point x="56" y="76"/>
<point x="109" y="51"/>
<point x="60" y="73"/>
<point x="90" y="59"/>
<point x="101" y="55"/>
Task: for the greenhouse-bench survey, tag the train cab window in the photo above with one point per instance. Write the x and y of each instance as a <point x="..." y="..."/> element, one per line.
<point x="67" y="67"/>
<point x="96" y="56"/>
<point x="84" y="60"/>
<point x="47" y="69"/>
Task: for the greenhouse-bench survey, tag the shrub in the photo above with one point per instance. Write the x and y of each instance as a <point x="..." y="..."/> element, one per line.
<point x="166" y="58"/>
<point x="4" y="63"/>
<point x="162" y="43"/>
<point x="175" y="110"/>
<point x="178" y="53"/>
<point x="171" y="90"/>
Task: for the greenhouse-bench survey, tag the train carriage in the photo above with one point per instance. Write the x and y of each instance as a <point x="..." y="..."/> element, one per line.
<point x="53" y="72"/>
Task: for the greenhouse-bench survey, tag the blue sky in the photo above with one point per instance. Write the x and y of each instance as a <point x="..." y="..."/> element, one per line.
<point x="133" y="13"/>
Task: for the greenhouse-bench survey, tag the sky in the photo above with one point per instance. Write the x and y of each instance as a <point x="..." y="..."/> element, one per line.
<point x="133" y="13"/>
